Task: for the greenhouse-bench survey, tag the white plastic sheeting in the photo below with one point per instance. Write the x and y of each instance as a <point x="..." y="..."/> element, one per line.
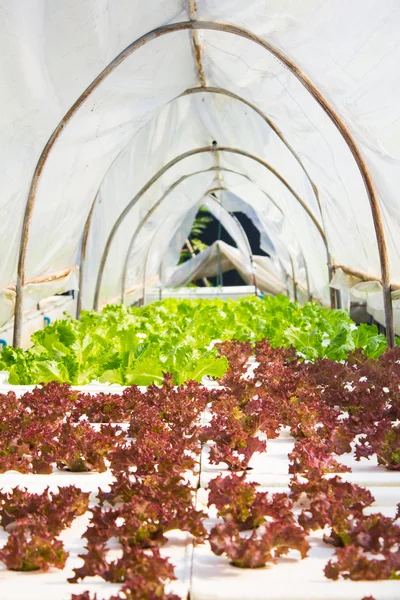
<point x="206" y="264"/>
<point x="134" y="122"/>
<point x="35" y="291"/>
<point x="278" y="238"/>
<point x="232" y="226"/>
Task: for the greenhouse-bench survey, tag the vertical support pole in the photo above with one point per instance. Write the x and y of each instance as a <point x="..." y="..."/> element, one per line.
<point x="219" y="179"/>
<point x="192" y="5"/>
<point x="332" y="292"/>
<point x="387" y="298"/>
<point x="309" y="294"/>
<point x="336" y="293"/>
<point x="19" y="309"/>
<point x="293" y="278"/>
<point x="219" y="281"/>
<point x="82" y="266"/>
<point x="338" y="299"/>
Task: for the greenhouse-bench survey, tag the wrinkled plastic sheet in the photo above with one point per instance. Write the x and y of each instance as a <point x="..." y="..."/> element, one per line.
<point x="134" y="123"/>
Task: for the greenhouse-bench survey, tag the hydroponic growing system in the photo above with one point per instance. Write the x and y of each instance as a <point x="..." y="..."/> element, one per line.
<point x="166" y="442"/>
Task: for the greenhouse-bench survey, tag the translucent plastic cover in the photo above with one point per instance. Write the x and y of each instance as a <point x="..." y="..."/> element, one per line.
<point x="270" y="142"/>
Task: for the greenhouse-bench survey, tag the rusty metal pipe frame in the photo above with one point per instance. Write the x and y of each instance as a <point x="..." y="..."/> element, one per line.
<point x="279" y="134"/>
<point x="151" y="212"/>
<point x="292" y="191"/>
<point x="170" y="189"/>
<point x="143" y="223"/>
<point x="168" y="166"/>
<point x="274" y="128"/>
<point x="363" y="276"/>
<point x="293" y="278"/>
<point x="87" y="229"/>
<point x="130" y="205"/>
<point x="302" y="78"/>
<point x="148" y="215"/>
<point x="243" y="233"/>
<point x="268" y="121"/>
<point x="84" y="242"/>
<point x="287" y="277"/>
<point x="173" y="186"/>
<point x="309" y="294"/>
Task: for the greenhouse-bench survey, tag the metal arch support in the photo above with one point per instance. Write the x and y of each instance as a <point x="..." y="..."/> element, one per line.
<point x="293" y="278"/>
<point x="154" y="208"/>
<point x="303" y="204"/>
<point x="309" y="294"/>
<point x="87" y="229"/>
<point x="285" y="183"/>
<point x="279" y="134"/>
<point x="168" y="166"/>
<point x="85" y="241"/>
<point x="302" y="78"/>
<point x="170" y="189"/>
<point x="82" y="265"/>
<point x="88" y="224"/>
<point x="143" y="223"/>
<point x="266" y="119"/>
<point x="242" y="231"/>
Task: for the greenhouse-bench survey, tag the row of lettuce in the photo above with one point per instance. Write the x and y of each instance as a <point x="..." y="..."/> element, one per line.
<point x="137" y="345"/>
<point x="330" y="408"/>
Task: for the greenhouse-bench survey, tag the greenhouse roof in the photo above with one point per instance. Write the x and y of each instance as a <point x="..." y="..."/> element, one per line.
<point x="118" y="118"/>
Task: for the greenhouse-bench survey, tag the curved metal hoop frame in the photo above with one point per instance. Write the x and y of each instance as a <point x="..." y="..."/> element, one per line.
<point x="82" y="265"/>
<point x="173" y="186"/>
<point x="302" y="78"/>
<point x="232" y="216"/>
<point x="222" y="91"/>
<point x="272" y="126"/>
<point x="267" y="120"/>
<point x="158" y="203"/>
<point x="87" y="228"/>
<point x="168" y="166"/>
<point x="146" y="219"/>
<point x="309" y="294"/>
<point x="88" y="222"/>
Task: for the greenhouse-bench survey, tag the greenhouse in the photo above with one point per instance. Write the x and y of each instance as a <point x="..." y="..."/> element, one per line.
<point x="199" y="301"/>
